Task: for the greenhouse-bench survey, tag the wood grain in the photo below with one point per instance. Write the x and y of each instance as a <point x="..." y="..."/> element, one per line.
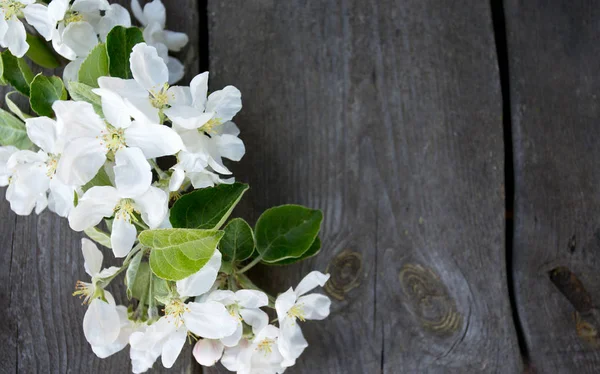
<point x="40" y="262"/>
<point x="387" y="115"/>
<point x="554" y="82"/>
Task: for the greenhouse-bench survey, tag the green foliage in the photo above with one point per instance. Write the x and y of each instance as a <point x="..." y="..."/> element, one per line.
<point x="94" y="66"/>
<point x="44" y="91"/>
<point x="40" y="53"/>
<point x="98" y="236"/>
<point x="286" y="231"/>
<point x="83" y="92"/>
<point x="238" y="241"/>
<point x="314" y="249"/>
<point x="100" y="179"/>
<point x="12" y="131"/>
<point x="132" y="274"/>
<point x="14" y="107"/>
<point x="207" y="208"/>
<point x="16" y="72"/>
<point x="178" y="253"/>
<point x="119" y="44"/>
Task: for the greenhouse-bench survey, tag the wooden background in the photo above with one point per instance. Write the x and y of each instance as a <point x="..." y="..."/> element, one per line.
<point x="453" y="148"/>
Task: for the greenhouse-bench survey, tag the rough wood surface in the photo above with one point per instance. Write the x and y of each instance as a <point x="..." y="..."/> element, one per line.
<point x="41" y="259"/>
<point x="554" y="81"/>
<point x="387" y="115"/>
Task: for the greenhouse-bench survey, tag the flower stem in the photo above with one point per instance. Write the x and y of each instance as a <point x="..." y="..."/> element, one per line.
<point x="159" y="171"/>
<point x="250" y="265"/>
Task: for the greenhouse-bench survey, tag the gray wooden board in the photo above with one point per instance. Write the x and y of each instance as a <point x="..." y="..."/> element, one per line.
<point x="40" y="262"/>
<point x="554" y="85"/>
<point x="388" y="116"/>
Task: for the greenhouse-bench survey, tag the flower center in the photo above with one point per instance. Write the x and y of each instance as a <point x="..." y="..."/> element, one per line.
<point x="125" y="210"/>
<point x="113" y="138"/>
<point x="11" y="8"/>
<point x="160" y="98"/>
<point x="71" y="17"/>
<point x="210" y="125"/>
<point x="266" y="346"/>
<point x="234" y="310"/>
<point x="175" y="310"/>
<point x="51" y="164"/>
<point x="297" y="311"/>
<point x="84" y="290"/>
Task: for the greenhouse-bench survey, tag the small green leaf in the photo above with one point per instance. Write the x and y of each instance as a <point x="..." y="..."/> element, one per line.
<point x="94" y="66"/>
<point x="314" y="249"/>
<point x="207" y="208"/>
<point x="98" y="236"/>
<point x="14" y="107"/>
<point x="2" y="80"/>
<point x="40" y="53"/>
<point x="132" y="272"/>
<point x="140" y="285"/>
<point x="286" y="231"/>
<point x="238" y="242"/>
<point x="100" y="179"/>
<point x="44" y="92"/>
<point x="178" y="253"/>
<point x="16" y="72"/>
<point x="119" y="44"/>
<point x="83" y="92"/>
<point x="13" y="132"/>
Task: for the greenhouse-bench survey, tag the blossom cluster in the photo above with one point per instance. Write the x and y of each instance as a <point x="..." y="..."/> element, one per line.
<point x="96" y="154"/>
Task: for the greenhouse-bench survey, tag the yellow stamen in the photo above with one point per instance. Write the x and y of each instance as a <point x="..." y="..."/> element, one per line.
<point x="160" y="98"/>
<point x="52" y="163"/>
<point x="297" y="311"/>
<point x="210" y="126"/>
<point x="266" y="346"/>
<point x="125" y="210"/>
<point x="11" y="8"/>
<point x="113" y="138"/>
<point x="175" y="310"/>
<point x="84" y="290"/>
<point x="71" y="17"/>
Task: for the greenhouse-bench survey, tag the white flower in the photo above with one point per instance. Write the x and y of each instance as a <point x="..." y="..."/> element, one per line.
<point x="242" y="305"/>
<point x="105" y="201"/>
<point x="28" y="182"/>
<point x="259" y="356"/>
<point x="5" y="173"/>
<point x="130" y="143"/>
<point x="148" y="92"/>
<point x="153" y="18"/>
<point x="292" y="307"/>
<point x="92" y="258"/>
<point x="12" y="31"/>
<point x="166" y="337"/>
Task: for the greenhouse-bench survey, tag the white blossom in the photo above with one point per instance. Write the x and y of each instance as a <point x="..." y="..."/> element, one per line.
<point x="293" y="306"/>
<point x="12" y="30"/>
<point x="261" y="355"/>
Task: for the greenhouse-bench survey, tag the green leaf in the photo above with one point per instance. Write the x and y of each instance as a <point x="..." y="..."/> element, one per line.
<point x="314" y="249"/>
<point x="98" y="236"/>
<point x="100" y="179"/>
<point x="94" y="66"/>
<point x="141" y="281"/>
<point x="13" y="132"/>
<point x="2" y="80"/>
<point x="40" y="53"/>
<point x="119" y="44"/>
<point x="44" y="92"/>
<point x="16" y="72"/>
<point x="83" y="92"/>
<point x="132" y="272"/>
<point x="238" y="242"/>
<point x="178" y="253"/>
<point x="14" y="107"/>
<point x="286" y="231"/>
<point x="207" y="208"/>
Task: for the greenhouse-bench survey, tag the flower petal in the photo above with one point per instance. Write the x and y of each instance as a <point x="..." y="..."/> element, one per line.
<point x="311" y="281"/>
<point x="155" y="12"/>
<point x="127" y="88"/>
<point x="92" y="257"/>
<point x="208" y="351"/>
<point x="60" y="199"/>
<point x="101" y="324"/>
<point x="179" y="95"/>
<point x="133" y="174"/>
<point x="122" y="236"/>
<point x="153" y="140"/>
<point x="284" y="303"/>
<point x="80" y="161"/>
<point x="114" y="108"/>
<point x="177" y="178"/>
<point x="230" y="147"/>
<point x="199" y="283"/>
<point x="188" y="117"/>
<point x="138" y="13"/>
<point x="209" y="320"/>
<point x="199" y="89"/>
<point x="78" y="118"/>
<point x="176" y="70"/>
<point x="71" y="72"/>
<point x="255" y="318"/>
<point x="98" y="202"/>
<point x="226" y="103"/>
<point x="175" y="41"/>
<point x="153" y="205"/>
<point x="37" y="15"/>
<point x="252" y="298"/>
<point x="16" y="38"/>
<point x="80" y="37"/>
<point x="148" y="69"/>
<point x="233" y="339"/>
<point x="44" y="132"/>
<point x="57" y="9"/>
<point x="172" y="347"/>
<point x="315" y="306"/>
<point x="291" y="342"/>
<point x="116" y="15"/>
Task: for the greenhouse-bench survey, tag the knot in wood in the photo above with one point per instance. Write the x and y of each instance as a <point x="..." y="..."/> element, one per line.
<point x="345" y="270"/>
<point x="428" y="298"/>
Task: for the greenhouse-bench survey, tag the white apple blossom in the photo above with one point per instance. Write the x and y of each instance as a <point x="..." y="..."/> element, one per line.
<point x="28" y="182"/>
<point x="105" y="201"/>
<point x="92" y="261"/>
<point x="91" y="139"/>
<point x="166" y="337"/>
<point x="5" y="173"/>
<point x="293" y="306"/>
<point x="12" y="30"/>
<point x="153" y="17"/>
<point x="261" y="355"/>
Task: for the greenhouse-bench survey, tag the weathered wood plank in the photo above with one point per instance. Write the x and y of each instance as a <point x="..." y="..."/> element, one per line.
<point x="554" y="80"/>
<point x="41" y="260"/>
<point x="386" y="115"/>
